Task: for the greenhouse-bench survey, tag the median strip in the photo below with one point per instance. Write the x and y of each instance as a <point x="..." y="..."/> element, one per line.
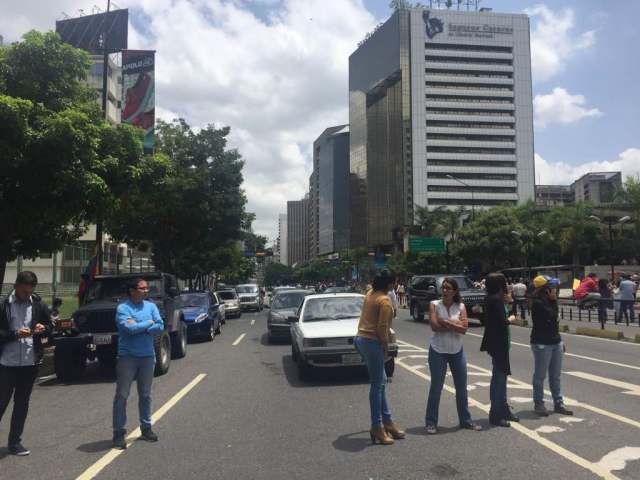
<point x="110" y="456"/>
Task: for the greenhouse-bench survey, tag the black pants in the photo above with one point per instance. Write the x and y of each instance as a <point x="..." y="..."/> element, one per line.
<point x="519" y="302"/>
<point x="19" y="380"/>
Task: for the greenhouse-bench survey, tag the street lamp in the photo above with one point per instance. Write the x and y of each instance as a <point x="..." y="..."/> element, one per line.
<point x="526" y="242"/>
<point x="610" y="220"/>
<point x="473" y="202"/>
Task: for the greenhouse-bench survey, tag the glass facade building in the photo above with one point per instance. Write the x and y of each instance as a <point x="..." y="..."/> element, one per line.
<point x="297" y="231"/>
<point x="440" y="112"/>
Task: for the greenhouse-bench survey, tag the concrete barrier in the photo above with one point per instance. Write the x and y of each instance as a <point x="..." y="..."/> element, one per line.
<point x="564" y="328"/>
<point x="637" y="339"/>
<point x="596" y="332"/>
<point x="520" y="322"/>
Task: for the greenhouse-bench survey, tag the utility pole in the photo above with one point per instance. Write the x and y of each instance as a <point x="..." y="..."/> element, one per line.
<point x="105" y="71"/>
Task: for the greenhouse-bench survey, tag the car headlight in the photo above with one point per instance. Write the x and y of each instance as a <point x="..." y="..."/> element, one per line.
<point x="314" y="342"/>
<point x="201" y="317"/>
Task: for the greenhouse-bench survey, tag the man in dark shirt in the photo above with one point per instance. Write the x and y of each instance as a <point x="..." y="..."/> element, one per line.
<point x="25" y="324"/>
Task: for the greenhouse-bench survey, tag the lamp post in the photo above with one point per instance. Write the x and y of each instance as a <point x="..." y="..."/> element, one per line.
<point x="610" y="220"/>
<point x="473" y="202"/>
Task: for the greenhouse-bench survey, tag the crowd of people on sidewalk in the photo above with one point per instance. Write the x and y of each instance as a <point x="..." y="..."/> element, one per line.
<point x="449" y="322"/>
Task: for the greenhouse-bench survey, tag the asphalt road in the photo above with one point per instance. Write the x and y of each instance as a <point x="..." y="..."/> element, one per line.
<point x="234" y="409"/>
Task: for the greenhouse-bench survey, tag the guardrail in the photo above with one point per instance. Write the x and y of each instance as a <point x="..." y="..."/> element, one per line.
<point x="600" y="311"/>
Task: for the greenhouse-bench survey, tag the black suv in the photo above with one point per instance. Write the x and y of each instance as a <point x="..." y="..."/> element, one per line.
<point x="94" y="333"/>
<point x="425" y="288"/>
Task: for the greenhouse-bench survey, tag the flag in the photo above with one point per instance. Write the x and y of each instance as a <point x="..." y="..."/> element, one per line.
<point x="87" y="276"/>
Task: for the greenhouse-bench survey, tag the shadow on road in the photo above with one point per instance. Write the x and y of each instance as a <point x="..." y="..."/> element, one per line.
<point x="96" y="447"/>
<point x="264" y="340"/>
<point x="352" y="442"/>
<point x="324" y="377"/>
<point x="95" y="373"/>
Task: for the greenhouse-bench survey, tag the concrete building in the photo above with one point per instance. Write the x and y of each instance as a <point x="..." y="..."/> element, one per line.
<point x="282" y="241"/>
<point x="114" y="86"/>
<point x="331" y="155"/>
<point x="297" y="231"/>
<point x="314" y="207"/>
<point x="440" y="113"/>
<point x="597" y="188"/>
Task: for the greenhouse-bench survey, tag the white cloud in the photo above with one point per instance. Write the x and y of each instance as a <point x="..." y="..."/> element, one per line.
<point x="560" y="106"/>
<point x="278" y="83"/>
<point x="561" y="173"/>
<point x="552" y="42"/>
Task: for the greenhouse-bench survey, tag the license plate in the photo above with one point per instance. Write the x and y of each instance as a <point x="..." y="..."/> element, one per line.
<point x="102" y="339"/>
<point x="477" y="309"/>
<point x="351" y="359"/>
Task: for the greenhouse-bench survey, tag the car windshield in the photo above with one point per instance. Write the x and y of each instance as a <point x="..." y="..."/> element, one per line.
<point x="194" y="299"/>
<point x="287" y="300"/>
<point x="227" y="295"/>
<point x="116" y="289"/>
<point x="463" y="282"/>
<point x="338" y="308"/>
<point x="247" y="289"/>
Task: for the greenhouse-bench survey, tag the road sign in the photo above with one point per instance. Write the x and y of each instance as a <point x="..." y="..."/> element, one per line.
<point x="426" y="244"/>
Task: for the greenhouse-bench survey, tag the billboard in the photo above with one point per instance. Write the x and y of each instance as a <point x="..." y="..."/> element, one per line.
<point x="87" y="32"/>
<point x="138" y="90"/>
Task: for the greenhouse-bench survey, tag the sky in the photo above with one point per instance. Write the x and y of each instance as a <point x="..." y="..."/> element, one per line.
<point x="276" y="72"/>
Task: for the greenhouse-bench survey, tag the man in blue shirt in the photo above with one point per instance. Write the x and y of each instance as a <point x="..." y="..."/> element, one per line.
<point x="138" y="320"/>
<point x="628" y="290"/>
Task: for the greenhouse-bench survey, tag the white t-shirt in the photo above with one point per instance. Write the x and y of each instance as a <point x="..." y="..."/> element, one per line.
<point x="449" y="341"/>
<point x="394" y="300"/>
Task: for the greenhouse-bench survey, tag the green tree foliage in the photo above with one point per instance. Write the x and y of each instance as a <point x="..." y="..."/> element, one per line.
<point x="277" y="274"/>
<point x="61" y="164"/>
<point x="193" y="216"/>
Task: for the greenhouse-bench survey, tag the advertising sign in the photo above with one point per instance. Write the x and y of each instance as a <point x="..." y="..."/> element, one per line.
<point x="87" y="32"/>
<point x="138" y="90"/>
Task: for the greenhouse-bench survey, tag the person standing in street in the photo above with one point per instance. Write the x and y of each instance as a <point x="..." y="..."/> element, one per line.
<point x="449" y="322"/>
<point x="394" y="301"/>
<point x="546" y="345"/>
<point x="25" y="324"/>
<point x="519" y="292"/>
<point x="138" y="320"/>
<point x="372" y="341"/>
<point x="628" y="291"/>
<point x="401" y="292"/>
<point x="496" y="341"/>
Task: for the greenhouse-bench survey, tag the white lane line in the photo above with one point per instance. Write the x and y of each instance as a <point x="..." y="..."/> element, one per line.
<point x="599" y="360"/>
<point x="570" y="401"/>
<point x="45" y="378"/>
<point x="629" y="388"/>
<point x="238" y="340"/>
<point x="554" y="447"/>
<point x="112" y="454"/>
<point x="253" y="322"/>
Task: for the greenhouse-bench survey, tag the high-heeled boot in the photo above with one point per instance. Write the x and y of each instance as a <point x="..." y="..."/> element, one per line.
<point x="393" y="430"/>
<point x="379" y="434"/>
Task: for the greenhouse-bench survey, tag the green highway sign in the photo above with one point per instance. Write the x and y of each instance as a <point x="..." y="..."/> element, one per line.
<point x="426" y="244"/>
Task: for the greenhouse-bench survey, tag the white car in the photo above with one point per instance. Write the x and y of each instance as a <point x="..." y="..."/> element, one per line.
<point x="322" y="333"/>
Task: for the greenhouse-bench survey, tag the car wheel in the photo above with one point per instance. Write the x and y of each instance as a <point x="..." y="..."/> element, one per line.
<point x="162" y="346"/>
<point x="415" y="313"/>
<point x="218" y="330"/>
<point x="390" y="367"/>
<point x="69" y="365"/>
<point x="211" y="334"/>
<point x="179" y="342"/>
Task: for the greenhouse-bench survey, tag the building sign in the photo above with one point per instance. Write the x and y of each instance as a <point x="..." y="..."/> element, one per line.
<point x="477" y="31"/>
<point x="138" y="88"/>
<point x="433" y="26"/>
<point x="426" y="244"/>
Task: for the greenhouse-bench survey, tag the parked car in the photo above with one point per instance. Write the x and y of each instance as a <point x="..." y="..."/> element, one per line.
<point x="231" y="303"/>
<point x="94" y="334"/>
<point x="203" y="313"/>
<point x="272" y="293"/>
<point x="323" y="331"/>
<point x="250" y="297"/>
<point x="423" y="289"/>
<point x="285" y="304"/>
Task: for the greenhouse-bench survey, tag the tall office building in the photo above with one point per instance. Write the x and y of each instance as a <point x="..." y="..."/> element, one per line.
<point x="440" y="113"/>
<point x="331" y="165"/>
<point x="297" y="231"/>
<point x="282" y="238"/>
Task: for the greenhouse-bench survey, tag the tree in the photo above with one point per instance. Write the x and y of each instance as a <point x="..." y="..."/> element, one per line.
<point x="196" y="211"/>
<point x="59" y="163"/>
<point x="576" y="234"/>
<point x="400" y="4"/>
<point x="630" y="195"/>
<point x="277" y="274"/>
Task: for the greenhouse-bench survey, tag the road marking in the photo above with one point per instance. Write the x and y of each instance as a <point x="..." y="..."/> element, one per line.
<point x="571" y="419"/>
<point x="617" y="460"/>
<point x="112" y="454"/>
<point x="238" y="340"/>
<point x="549" y="429"/>
<point x="600" y="411"/>
<point x="253" y="322"/>
<point x="599" y="360"/>
<point x="45" y="378"/>
<point x="582" y="462"/>
<point x="630" y="388"/>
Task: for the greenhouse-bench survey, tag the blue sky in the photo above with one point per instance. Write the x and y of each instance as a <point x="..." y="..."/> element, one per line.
<point x="276" y="72"/>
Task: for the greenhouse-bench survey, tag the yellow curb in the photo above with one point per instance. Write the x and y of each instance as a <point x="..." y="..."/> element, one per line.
<point x="596" y="332"/>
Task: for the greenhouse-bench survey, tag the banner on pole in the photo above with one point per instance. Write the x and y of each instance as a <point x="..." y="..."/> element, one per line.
<point x="138" y="90"/>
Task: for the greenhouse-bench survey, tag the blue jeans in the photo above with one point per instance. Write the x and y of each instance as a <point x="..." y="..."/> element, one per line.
<point x="438" y="367"/>
<point x="547" y="358"/>
<point x="373" y="355"/>
<point x="498" y="392"/>
<point x="626" y="308"/>
<point x="129" y="369"/>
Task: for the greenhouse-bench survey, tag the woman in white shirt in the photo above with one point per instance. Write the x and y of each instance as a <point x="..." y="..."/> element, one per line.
<point x="448" y="318"/>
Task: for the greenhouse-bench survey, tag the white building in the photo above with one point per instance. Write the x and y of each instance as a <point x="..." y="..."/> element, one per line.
<point x="440" y="112"/>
